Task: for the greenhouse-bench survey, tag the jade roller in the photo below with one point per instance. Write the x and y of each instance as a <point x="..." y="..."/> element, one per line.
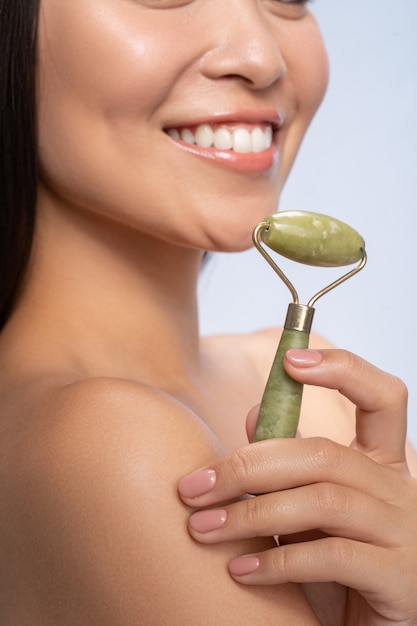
<point x="313" y="239"/>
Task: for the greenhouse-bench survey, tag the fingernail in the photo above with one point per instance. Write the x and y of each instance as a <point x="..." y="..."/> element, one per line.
<point x="197" y="484"/>
<point x="205" y="521"/>
<point x="244" y="565"/>
<point x="304" y="358"/>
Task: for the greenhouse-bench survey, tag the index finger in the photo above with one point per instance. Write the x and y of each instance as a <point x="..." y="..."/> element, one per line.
<point x="279" y="464"/>
<point x="380" y="398"/>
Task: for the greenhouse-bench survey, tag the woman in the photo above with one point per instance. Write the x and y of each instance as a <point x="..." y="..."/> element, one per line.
<point x="165" y="128"/>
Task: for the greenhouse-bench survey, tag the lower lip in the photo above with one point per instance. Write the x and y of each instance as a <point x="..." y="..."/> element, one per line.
<point x="247" y="163"/>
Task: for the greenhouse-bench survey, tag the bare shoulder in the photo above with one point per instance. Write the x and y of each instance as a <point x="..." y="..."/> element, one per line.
<point x="95" y="531"/>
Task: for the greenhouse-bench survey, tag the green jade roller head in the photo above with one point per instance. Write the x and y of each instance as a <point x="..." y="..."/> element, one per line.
<point x="313" y="239"/>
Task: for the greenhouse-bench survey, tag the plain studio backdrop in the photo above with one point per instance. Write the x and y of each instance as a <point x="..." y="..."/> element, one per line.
<point x="358" y="163"/>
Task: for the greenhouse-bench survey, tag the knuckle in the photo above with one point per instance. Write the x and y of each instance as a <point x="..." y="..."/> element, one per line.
<point x="398" y="390"/>
<point x="326" y="454"/>
<point x="333" y="501"/>
<point x="240" y="467"/>
<point x="354" y="368"/>
<point x="338" y="551"/>
<point x="280" y="564"/>
<point x="350" y="361"/>
<point x="346" y="362"/>
<point x="251" y="513"/>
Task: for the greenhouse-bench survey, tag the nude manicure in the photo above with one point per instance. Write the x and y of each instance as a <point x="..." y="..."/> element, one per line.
<point x="197" y="484"/>
<point x="205" y="521"/>
<point x="244" y="565"/>
<point x="304" y="358"/>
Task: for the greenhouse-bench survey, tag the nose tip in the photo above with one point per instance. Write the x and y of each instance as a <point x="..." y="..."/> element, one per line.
<point x="247" y="48"/>
<point x="264" y="63"/>
<point x="250" y="65"/>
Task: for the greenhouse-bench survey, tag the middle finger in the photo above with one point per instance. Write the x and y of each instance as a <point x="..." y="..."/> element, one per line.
<point x="330" y="508"/>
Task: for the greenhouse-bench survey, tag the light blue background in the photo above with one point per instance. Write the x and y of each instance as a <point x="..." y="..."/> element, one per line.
<point x="358" y="162"/>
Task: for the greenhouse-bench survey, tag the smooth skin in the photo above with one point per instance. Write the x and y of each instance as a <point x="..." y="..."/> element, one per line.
<point x="108" y="395"/>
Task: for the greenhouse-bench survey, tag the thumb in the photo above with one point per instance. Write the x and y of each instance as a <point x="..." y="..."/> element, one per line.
<point x="380" y="398"/>
<point x="251" y="422"/>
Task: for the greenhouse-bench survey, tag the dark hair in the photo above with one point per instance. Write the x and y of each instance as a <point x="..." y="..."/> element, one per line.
<point x="18" y="144"/>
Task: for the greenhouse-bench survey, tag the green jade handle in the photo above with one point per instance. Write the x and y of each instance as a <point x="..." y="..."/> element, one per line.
<point x="280" y="408"/>
<point x="314" y="239"/>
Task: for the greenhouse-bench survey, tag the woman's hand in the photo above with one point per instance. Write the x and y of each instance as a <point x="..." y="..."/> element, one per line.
<point x="345" y="515"/>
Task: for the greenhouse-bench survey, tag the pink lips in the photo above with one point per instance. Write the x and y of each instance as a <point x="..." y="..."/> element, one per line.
<point x="251" y="161"/>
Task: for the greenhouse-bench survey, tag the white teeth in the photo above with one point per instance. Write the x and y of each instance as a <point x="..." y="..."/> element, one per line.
<point x="259" y="140"/>
<point x="204" y="136"/>
<point x="240" y="140"/>
<point x="187" y="136"/>
<point x="174" y="133"/>
<point x="222" y="139"/>
<point x="268" y="135"/>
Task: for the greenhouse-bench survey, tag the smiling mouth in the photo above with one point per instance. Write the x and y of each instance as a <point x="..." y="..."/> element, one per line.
<point x="240" y="138"/>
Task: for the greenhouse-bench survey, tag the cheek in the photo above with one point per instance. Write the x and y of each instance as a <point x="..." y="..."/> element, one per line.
<point x="93" y="77"/>
<point x="104" y="57"/>
<point x="96" y="94"/>
<point x="307" y="75"/>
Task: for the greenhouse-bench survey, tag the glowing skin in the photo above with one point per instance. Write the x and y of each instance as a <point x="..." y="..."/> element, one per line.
<point x="107" y="392"/>
<point x="110" y="90"/>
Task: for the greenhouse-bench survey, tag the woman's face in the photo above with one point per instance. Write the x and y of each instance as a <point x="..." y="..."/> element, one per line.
<point x="179" y="118"/>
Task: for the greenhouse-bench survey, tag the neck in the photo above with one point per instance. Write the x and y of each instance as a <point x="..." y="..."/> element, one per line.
<point x="123" y="304"/>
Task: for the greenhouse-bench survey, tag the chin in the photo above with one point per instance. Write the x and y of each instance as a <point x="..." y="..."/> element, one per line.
<point x="231" y="239"/>
<point x="233" y="232"/>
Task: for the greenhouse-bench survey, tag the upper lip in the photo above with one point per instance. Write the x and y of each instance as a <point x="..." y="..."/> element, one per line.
<point x="272" y="117"/>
